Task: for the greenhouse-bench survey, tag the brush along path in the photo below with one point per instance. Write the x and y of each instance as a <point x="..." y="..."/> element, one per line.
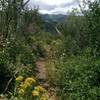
<point x="42" y="76"/>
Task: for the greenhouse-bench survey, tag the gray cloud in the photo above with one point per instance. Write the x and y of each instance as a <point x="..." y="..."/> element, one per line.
<point x="53" y="8"/>
<point x="73" y="3"/>
<point x="41" y="5"/>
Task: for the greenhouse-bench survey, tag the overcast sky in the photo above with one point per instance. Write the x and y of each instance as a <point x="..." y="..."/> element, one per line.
<point x="54" y="6"/>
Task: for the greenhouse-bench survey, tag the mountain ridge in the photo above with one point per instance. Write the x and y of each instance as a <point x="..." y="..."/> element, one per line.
<point x="51" y="20"/>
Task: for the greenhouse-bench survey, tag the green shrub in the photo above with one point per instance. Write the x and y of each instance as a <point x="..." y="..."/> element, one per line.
<point x="15" y="55"/>
<point x="78" y="78"/>
<point x="5" y="72"/>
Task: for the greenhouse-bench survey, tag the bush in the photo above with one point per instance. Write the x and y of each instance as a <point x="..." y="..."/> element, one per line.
<point x="28" y="89"/>
<point x="13" y="56"/>
<point x="5" y="72"/>
<point x="78" y="78"/>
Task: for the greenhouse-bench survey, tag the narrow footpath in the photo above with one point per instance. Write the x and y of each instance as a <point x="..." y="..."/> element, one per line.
<point x="42" y="76"/>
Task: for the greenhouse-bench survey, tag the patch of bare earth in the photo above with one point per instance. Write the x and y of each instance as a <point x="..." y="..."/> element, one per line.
<point x="43" y="78"/>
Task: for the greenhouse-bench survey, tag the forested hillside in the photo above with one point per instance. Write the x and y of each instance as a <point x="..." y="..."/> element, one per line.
<point x="49" y="57"/>
<point x="51" y="21"/>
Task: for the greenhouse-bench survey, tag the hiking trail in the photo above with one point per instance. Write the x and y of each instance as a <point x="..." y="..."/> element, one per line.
<point x="42" y="76"/>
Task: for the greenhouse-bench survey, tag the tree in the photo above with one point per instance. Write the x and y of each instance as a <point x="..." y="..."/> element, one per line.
<point x="10" y="15"/>
<point x="93" y="21"/>
<point x="75" y="30"/>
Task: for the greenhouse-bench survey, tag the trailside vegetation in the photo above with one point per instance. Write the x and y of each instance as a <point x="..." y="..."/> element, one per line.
<point x="71" y="52"/>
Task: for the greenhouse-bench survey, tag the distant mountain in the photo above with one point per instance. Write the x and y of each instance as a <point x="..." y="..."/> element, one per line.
<point x="53" y="18"/>
<point x="50" y="21"/>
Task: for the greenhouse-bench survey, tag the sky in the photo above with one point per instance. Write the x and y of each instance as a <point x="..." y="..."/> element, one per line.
<point x="54" y="6"/>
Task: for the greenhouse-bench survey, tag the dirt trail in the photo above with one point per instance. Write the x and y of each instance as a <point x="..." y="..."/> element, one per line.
<point x="41" y="70"/>
<point x="43" y="78"/>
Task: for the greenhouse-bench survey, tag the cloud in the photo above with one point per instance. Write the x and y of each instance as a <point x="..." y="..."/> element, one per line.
<point x="72" y="3"/>
<point x="41" y="5"/>
<point x="54" y="6"/>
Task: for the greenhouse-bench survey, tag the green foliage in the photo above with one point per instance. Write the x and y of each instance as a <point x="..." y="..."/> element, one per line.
<point x="93" y="21"/>
<point x="41" y="43"/>
<point x="10" y="19"/>
<point x="31" y="21"/>
<point x="13" y="57"/>
<point x="16" y="46"/>
<point x="75" y="32"/>
<point x="73" y="59"/>
<point x="78" y="77"/>
<point x="5" y="73"/>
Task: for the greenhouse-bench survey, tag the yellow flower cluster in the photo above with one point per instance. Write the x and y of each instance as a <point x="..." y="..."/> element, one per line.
<point x="19" y="78"/>
<point x="28" y="84"/>
<point x="21" y="91"/>
<point x="30" y="80"/>
<point x="43" y="98"/>
<point x="35" y="93"/>
<point x="39" y="91"/>
<point x="24" y="84"/>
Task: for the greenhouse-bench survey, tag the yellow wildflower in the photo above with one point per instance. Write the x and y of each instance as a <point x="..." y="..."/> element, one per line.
<point x="27" y="84"/>
<point x="19" y="78"/>
<point x="30" y="80"/>
<point x="43" y="98"/>
<point x="24" y="85"/>
<point x="40" y="89"/>
<point x="21" y="91"/>
<point x="35" y="93"/>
